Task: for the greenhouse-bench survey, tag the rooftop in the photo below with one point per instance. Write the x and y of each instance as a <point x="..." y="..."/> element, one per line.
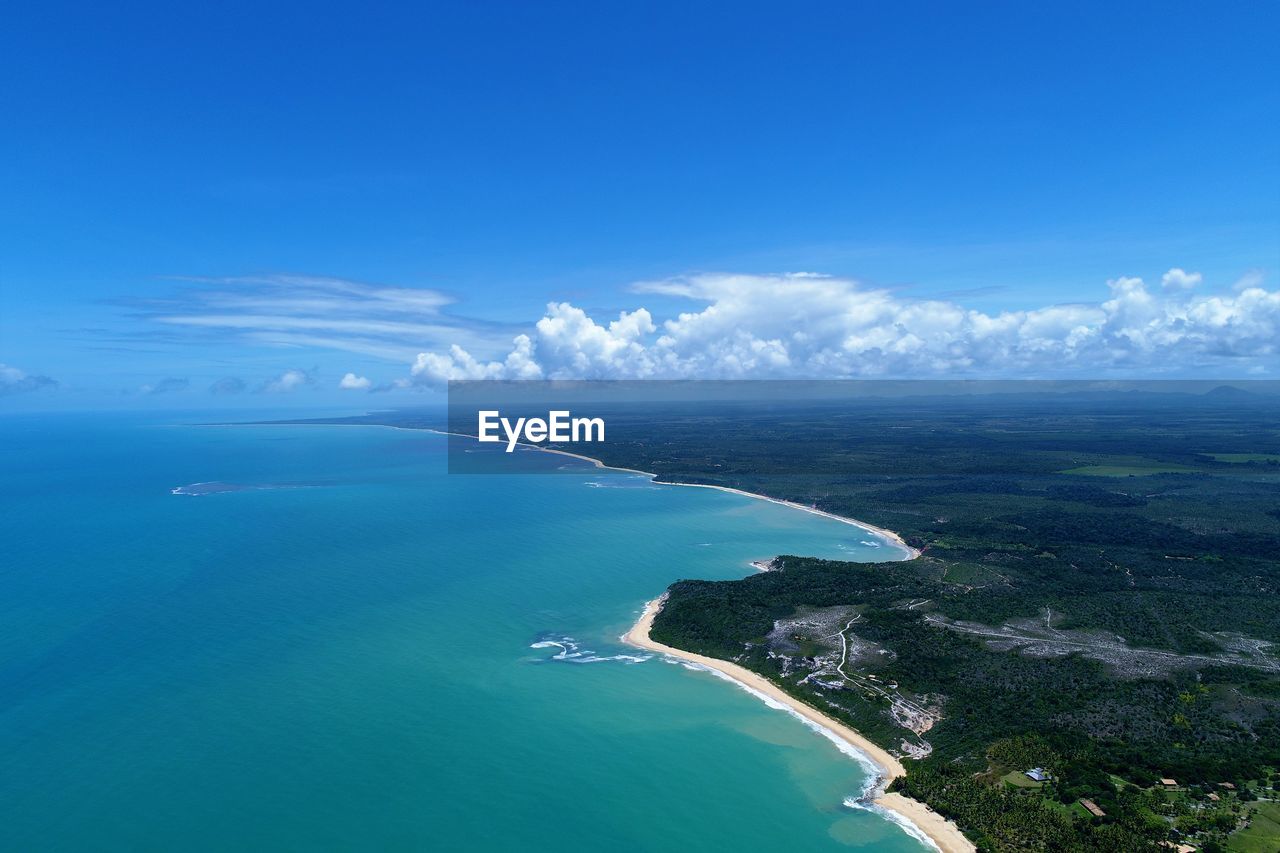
<point x="1092" y="808"/>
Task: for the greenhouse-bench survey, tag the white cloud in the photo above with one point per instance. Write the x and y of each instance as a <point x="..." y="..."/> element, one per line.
<point x="304" y="294"/>
<point x="286" y="323"/>
<point x="1178" y="279"/>
<point x="294" y="310"/>
<point x="351" y="382"/>
<point x="14" y="381"/>
<point x="433" y="368"/>
<point x="290" y="380"/>
<point x="806" y="325"/>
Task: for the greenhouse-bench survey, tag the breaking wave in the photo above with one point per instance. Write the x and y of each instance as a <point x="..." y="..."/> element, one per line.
<point x="866" y="803"/>
<point x="855" y="549"/>
<point x="217" y="488"/>
<point x="622" y="483"/>
<point x="874" y="773"/>
<point x="571" y="652"/>
<point x="872" y="787"/>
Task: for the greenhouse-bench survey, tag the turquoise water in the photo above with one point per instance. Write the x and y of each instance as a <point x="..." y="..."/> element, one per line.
<point x="340" y="658"/>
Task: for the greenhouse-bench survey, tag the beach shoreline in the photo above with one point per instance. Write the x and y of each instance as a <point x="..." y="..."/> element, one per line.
<point x="940" y="832"/>
<point x="882" y="532"/>
<point x="917" y="818"/>
<point x="927" y="824"/>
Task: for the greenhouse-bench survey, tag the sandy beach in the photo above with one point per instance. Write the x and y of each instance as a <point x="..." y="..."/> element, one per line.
<point x="944" y="834"/>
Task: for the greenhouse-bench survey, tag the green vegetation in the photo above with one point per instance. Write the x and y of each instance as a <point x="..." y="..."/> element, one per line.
<point x="1263" y="833"/>
<point x="1018" y="779"/>
<point x="1127" y="470"/>
<point x="1245" y="458"/>
<point x="1141" y="613"/>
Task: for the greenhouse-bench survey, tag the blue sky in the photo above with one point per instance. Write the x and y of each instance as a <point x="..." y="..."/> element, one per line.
<point x="454" y="168"/>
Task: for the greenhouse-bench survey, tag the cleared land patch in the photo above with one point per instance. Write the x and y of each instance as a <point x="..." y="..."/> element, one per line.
<point x="1263" y="833"/>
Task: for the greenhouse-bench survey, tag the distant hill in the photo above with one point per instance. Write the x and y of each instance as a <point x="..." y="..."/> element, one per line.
<point x="1228" y="392"/>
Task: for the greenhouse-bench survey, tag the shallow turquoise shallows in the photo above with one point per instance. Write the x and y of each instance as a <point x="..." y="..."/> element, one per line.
<point x="334" y="649"/>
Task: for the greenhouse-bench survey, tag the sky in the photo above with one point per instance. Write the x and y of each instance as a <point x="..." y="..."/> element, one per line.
<point x="220" y="205"/>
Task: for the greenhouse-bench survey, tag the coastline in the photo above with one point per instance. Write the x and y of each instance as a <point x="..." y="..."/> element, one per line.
<point x="882" y="532"/>
<point x="917" y="819"/>
<point x="940" y="832"/>
<point x="861" y="525"/>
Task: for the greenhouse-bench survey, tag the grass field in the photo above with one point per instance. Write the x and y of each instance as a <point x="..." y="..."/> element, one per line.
<point x="1263" y="833"/>
<point x="969" y="573"/>
<point x="1018" y="779"/>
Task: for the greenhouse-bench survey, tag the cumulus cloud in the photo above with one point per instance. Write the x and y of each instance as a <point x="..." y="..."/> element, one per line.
<point x="290" y="380"/>
<point x="164" y="386"/>
<point x="806" y="325"/>
<point x="14" y="381"/>
<point x="351" y="382"/>
<point x="228" y="385"/>
<point x="1178" y="279"/>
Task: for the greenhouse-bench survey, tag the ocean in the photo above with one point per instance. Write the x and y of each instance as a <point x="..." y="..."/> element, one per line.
<point x="324" y="641"/>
